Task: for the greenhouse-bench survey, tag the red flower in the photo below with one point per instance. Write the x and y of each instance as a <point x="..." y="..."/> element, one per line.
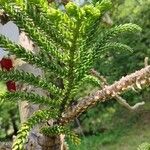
<point x="6" y="63"/>
<point x="11" y="86"/>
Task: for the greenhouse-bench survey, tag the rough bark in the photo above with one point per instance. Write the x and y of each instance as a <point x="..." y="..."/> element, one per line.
<point x="118" y="98"/>
<point x="136" y="79"/>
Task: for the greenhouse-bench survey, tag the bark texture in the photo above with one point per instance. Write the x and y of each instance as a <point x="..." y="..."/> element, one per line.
<point x="136" y="79"/>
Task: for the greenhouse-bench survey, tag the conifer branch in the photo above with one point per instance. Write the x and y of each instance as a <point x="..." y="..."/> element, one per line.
<point x="70" y="43"/>
<point x="118" y="98"/>
<point x="106" y="36"/>
<point x="88" y="79"/>
<point x="99" y="42"/>
<point x="38" y="117"/>
<point x="120" y="29"/>
<point x="104" y="5"/>
<point x="30" y="97"/>
<point x="115" y="46"/>
<point x="56" y="130"/>
<point x="140" y="77"/>
<point x="30" y="79"/>
<point x="71" y="62"/>
<point x="56" y="17"/>
<point x="28" y="56"/>
<point x="92" y="27"/>
<point x="26" y="24"/>
<point x="71" y="67"/>
<point x="49" y="27"/>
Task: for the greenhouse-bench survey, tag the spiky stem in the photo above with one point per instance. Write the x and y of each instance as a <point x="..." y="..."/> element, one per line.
<point x="136" y="79"/>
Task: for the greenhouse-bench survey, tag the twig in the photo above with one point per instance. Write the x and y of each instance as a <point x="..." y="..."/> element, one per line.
<point x="78" y="123"/>
<point x="124" y="103"/>
<point x="97" y="75"/>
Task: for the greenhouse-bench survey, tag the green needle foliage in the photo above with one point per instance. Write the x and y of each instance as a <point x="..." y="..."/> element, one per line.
<point x="29" y="78"/>
<point x="56" y="130"/>
<point x="28" y="56"/>
<point x="38" y="117"/>
<point x="31" y="97"/>
<point x="70" y="41"/>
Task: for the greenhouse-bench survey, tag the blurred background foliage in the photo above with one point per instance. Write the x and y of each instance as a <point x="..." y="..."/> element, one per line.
<point x="9" y="117"/>
<point x="108" y="126"/>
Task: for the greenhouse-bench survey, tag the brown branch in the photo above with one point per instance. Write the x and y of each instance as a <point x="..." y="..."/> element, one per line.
<point x="118" y="98"/>
<point x="136" y="79"/>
